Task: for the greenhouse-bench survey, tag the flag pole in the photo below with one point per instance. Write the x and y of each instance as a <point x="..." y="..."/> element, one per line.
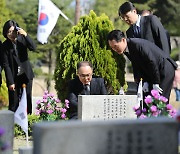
<point x="141" y="94"/>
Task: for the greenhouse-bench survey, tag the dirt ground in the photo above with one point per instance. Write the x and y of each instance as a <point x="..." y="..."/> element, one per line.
<point x="21" y="142"/>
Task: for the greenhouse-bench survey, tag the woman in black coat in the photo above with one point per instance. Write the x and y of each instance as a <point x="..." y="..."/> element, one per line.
<point x="16" y="64"/>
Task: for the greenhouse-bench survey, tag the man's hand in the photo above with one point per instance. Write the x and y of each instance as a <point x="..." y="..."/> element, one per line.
<point x="145" y="87"/>
<point x="12" y="87"/>
<point x="156" y="87"/>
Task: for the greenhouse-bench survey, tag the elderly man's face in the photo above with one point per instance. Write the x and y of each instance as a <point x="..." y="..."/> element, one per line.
<point x="118" y="47"/>
<point x="85" y="74"/>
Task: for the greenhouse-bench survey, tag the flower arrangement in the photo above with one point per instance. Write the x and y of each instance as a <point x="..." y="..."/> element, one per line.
<point x="156" y="106"/>
<point x="51" y="108"/>
<point x="3" y="146"/>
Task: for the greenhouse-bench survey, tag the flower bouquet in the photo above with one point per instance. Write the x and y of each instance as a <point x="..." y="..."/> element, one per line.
<point x="156" y="106"/>
<point x="51" y="108"/>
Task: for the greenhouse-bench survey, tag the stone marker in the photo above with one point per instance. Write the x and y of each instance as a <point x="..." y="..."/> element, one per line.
<point x="148" y="136"/>
<point x="7" y="122"/>
<point x="106" y="107"/>
<point x="26" y="150"/>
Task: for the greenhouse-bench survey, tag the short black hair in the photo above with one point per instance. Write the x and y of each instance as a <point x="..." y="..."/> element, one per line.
<point x="126" y="7"/>
<point x="84" y="63"/>
<point x="116" y="35"/>
<point x="7" y="25"/>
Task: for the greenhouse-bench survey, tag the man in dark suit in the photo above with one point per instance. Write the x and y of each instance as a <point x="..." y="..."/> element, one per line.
<point x="148" y="61"/>
<point x="17" y="67"/>
<point x="0" y="63"/>
<point x="145" y="27"/>
<point x="84" y="84"/>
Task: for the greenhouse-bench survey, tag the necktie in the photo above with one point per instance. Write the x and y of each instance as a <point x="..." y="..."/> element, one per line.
<point x="137" y="31"/>
<point x="87" y="89"/>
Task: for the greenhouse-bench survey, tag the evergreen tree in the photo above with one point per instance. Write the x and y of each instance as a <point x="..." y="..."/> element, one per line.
<point x="87" y="41"/>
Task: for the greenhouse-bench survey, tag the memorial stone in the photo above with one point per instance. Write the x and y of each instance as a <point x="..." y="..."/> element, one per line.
<point x="148" y="136"/>
<point x="106" y="107"/>
<point x="7" y="122"/>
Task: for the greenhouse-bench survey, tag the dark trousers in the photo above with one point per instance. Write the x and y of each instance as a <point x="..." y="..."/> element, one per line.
<point x="15" y="96"/>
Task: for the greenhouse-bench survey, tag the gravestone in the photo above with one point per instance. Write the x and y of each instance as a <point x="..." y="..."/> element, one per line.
<point x="7" y="123"/>
<point x="148" y="136"/>
<point x="106" y="107"/>
<point x="26" y="150"/>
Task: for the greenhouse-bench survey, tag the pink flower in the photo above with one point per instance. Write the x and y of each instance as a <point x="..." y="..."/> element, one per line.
<point x="58" y="100"/>
<point x="138" y="112"/>
<point x="63" y="110"/>
<point x="155" y="114"/>
<point x="148" y="99"/>
<point x="63" y="116"/>
<point x="38" y="102"/>
<point x="163" y="99"/>
<point x="45" y="92"/>
<point x="48" y="105"/>
<point x="67" y="105"/>
<point x="57" y="108"/>
<point x="155" y="94"/>
<point x="50" y="111"/>
<point x="142" y="116"/>
<point x="136" y="107"/>
<point x="169" y="107"/>
<point x="66" y="101"/>
<point x="45" y="96"/>
<point x="173" y="113"/>
<point x="45" y="100"/>
<point x="51" y="95"/>
<point x="37" y="112"/>
<point x="153" y="108"/>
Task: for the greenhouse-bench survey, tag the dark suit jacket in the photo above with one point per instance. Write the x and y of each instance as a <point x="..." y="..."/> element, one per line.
<point x="150" y="64"/>
<point x="152" y="30"/>
<point x="11" y="61"/>
<point x="97" y="87"/>
<point x="1" y="63"/>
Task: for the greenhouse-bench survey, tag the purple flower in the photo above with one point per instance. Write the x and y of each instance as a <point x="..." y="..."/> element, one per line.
<point x="153" y="108"/>
<point x="45" y="96"/>
<point x="169" y="107"/>
<point x="2" y="131"/>
<point x="63" y="110"/>
<point x="48" y="105"/>
<point x="144" y="110"/>
<point x="138" y="112"/>
<point x="63" y="116"/>
<point x="51" y="95"/>
<point x="148" y="99"/>
<point x="50" y="111"/>
<point x="163" y="99"/>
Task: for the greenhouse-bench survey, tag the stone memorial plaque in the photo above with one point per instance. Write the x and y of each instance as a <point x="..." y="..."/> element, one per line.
<point x="148" y="136"/>
<point x="106" y="107"/>
<point x="7" y="123"/>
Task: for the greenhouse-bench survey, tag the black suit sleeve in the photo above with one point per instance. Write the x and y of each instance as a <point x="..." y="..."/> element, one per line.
<point x="103" y="88"/>
<point x="160" y="34"/>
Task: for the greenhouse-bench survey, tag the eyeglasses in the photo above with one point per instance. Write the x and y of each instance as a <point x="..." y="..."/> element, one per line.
<point x="85" y="75"/>
<point x="125" y="16"/>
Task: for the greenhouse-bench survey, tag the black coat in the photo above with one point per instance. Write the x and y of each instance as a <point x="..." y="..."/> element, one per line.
<point x="97" y="87"/>
<point x="11" y="61"/>
<point x="153" y="31"/>
<point x="150" y="64"/>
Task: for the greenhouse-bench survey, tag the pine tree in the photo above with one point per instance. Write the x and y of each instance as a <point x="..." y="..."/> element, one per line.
<point x="87" y="41"/>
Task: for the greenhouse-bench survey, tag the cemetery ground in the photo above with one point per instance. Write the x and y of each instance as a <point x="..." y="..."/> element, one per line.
<point x="21" y="141"/>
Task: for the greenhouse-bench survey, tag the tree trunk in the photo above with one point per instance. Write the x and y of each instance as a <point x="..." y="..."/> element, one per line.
<point x="77" y="11"/>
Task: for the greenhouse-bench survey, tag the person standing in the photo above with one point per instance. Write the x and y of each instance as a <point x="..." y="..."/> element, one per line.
<point x="17" y="67"/>
<point x="145" y="27"/>
<point x="84" y="84"/>
<point x="176" y="82"/>
<point x="148" y="62"/>
<point x="1" y="63"/>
